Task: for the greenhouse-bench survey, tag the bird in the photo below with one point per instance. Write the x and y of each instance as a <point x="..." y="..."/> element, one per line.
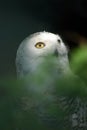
<point x="34" y="49"/>
<point x="46" y="53"/>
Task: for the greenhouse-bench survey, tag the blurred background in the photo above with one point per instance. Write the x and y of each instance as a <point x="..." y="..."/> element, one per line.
<point x="19" y="18"/>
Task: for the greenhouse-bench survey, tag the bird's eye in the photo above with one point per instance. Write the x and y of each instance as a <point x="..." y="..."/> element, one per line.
<point x="59" y="41"/>
<point x="40" y="45"/>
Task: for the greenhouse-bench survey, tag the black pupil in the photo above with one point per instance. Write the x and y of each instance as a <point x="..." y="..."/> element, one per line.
<point x="39" y="45"/>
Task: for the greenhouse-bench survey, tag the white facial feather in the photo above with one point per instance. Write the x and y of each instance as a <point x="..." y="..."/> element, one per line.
<point x="29" y="56"/>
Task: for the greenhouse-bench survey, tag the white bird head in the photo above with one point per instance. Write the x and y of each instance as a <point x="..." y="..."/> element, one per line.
<point x="36" y="47"/>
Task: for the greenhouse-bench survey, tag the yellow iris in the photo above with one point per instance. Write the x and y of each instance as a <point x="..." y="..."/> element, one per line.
<point x="40" y="45"/>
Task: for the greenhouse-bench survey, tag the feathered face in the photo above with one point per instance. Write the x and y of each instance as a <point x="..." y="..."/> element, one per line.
<point x="36" y="47"/>
<point x="45" y="43"/>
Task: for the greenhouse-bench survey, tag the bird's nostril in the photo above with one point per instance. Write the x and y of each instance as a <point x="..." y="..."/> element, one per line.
<point x="59" y="41"/>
